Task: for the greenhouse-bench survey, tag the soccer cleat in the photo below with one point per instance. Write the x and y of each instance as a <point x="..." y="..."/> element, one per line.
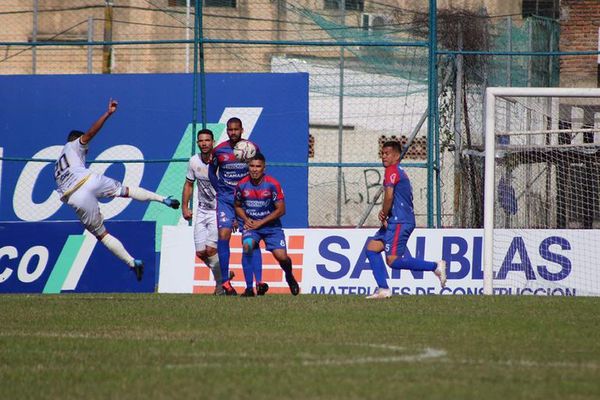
<point x="380" y="293"/>
<point x="291" y="281"/>
<point x="229" y="290"/>
<point x="262" y="288"/>
<point x="249" y="292"/>
<point x="440" y="272"/>
<point x="170" y="202"/>
<point x="138" y="269"/>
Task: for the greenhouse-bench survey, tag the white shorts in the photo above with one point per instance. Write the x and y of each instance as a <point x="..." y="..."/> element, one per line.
<point x="205" y="229"/>
<point x="85" y="201"/>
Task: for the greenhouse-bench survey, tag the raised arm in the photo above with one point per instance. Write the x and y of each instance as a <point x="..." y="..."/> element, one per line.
<point x="95" y="128"/>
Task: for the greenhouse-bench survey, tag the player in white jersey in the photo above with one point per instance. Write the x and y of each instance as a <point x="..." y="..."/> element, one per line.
<point x="205" y="227"/>
<point x="80" y="188"/>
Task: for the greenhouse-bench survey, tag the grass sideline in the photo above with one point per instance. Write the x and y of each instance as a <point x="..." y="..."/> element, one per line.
<point x="309" y="347"/>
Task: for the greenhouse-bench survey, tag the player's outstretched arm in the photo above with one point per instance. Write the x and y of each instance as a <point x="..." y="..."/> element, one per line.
<point x="95" y="128"/>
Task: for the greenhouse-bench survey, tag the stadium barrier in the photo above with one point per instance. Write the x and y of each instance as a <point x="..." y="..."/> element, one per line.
<point x="60" y="257"/>
<point x="332" y="261"/>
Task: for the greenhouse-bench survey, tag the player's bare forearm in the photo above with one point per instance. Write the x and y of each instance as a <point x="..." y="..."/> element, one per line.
<point x="185" y="199"/>
<point x="96" y="126"/>
<point x="239" y="211"/>
<point x="248" y="222"/>
<point x="388" y="199"/>
<point x="277" y="213"/>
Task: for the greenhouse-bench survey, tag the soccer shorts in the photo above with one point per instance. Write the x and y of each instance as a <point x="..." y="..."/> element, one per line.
<point x="273" y="237"/>
<point x="394" y="238"/>
<point x="226" y="214"/>
<point x="85" y="201"/>
<point x="205" y="229"/>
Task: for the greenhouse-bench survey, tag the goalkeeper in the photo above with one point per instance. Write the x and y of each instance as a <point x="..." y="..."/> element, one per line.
<point x="80" y="188"/>
<point x="397" y="217"/>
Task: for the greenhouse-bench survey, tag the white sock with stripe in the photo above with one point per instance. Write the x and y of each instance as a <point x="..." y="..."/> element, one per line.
<point x="142" y="194"/>
<point x="117" y="248"/>
<point x="213" y="264"/>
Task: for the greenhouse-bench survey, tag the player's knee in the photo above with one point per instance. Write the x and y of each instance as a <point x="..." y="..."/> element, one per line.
<point x="224" y="234"/>
<point x="201" y="254"/>
<point x="374" y="245"/>
<point x="390" y="259"/>
<point x="248" y="246"/>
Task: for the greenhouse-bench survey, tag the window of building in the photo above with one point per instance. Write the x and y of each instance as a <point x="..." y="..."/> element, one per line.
<point x="207" y="3"/>
<point x="541" y="8"/>
<point x="353" y="5"/>
<point x="220" y="3"/>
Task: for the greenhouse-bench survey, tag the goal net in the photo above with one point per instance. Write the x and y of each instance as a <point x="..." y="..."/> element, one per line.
<point x="542" y="181"/>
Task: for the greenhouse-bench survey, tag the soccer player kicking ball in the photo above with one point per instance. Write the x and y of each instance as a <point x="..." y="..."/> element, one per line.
<point x="205" y="227"/>
<point x="80" y="188"/>
<point x="398" y="221"/>
<point x="225" y="172"/>
<point x="259" y="202"/>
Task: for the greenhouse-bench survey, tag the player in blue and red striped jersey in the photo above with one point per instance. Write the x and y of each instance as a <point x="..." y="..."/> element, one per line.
<point x="398" y="221"/>
<point x="259" y="203"/>
<point x="225" y="172"/>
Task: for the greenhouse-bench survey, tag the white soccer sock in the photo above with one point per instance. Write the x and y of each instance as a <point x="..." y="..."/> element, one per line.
<point x="117" y="248"/>
<point x="142" y="194"/>
<point x="215" y="267"/>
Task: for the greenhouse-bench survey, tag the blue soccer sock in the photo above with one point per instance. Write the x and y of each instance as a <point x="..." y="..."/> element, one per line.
<point x="223" y="251"/>
<point x="248" y="267"/>
<point x="378" y="268"/>
<point x="415" y="264"/>
<point x="257" y="264"/>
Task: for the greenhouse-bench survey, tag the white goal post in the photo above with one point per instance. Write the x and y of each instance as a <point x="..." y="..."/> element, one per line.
<point x="542" y="147"/>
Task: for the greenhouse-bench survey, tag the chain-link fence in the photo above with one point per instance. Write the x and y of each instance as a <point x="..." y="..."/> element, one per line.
<point x="368" y="78"/>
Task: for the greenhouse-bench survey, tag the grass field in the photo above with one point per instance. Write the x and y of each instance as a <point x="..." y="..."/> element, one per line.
<point x="308" y="347"/>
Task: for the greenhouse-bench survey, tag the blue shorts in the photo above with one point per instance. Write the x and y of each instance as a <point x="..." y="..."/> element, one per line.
<point x="394" y="237"/>
<point x="272" y="236"/>
<point x="225" y="214"/>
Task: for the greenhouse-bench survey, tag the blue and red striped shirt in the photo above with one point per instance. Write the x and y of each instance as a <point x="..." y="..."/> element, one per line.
<point x="226" y="170"/>
<point x="259" y="200"/>
<point x="402" y="207"/>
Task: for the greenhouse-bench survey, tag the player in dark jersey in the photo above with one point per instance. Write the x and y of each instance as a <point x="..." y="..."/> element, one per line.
<point x="225" y="172"/>
<point x="397" y="217"/>
<point x="259" y="203"/>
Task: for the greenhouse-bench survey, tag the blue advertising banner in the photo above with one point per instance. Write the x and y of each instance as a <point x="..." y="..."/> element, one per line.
<point x="58" y="257"/>
<point x="153" y="122"/>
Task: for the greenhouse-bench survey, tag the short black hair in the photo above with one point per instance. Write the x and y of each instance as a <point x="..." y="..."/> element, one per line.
<point x="394" y="144"/>
<point x="235" y="119"/>
<point x="259" y="157"/>
<point x="205" y="132"/>
<point x="74" y="135"/>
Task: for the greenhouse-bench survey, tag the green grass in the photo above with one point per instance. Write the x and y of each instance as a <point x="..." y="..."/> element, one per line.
<point x="317" y="347"/>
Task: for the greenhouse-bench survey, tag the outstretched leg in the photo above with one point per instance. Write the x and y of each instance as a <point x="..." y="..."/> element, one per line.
<point x="116" y="247"/>
<point x="141" y="194"/>
<point x="416" y="264"/>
